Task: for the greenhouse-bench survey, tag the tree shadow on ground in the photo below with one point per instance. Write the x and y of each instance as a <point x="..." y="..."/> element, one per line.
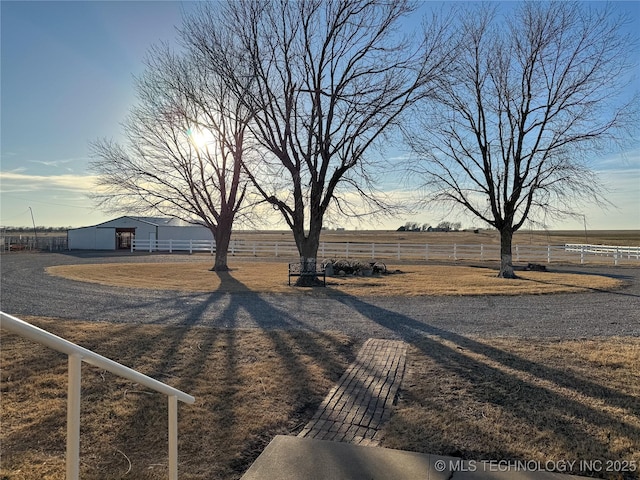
<point x="503" y="380"/>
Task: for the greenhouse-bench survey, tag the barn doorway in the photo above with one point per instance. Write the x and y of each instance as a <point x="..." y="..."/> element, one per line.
<point x="124" y="237"/>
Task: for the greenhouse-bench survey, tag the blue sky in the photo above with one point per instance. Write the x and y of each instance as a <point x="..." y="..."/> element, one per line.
<point x="67" y="79"/>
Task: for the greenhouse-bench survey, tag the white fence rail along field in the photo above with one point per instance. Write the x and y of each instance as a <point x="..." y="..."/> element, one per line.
<point x="572" y="253"/>
<point x="77" y="355"/>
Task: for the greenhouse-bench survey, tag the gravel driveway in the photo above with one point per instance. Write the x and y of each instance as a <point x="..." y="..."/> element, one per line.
<point x="28" y="290"/>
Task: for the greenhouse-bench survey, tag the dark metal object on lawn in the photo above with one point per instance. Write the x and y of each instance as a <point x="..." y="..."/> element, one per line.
<point x="309" y="270"/>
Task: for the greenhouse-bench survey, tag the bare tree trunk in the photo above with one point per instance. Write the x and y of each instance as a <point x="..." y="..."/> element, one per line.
<point x="308" y="248"/>
<point x="506" y="259"/>
<point x="222" y="236"/>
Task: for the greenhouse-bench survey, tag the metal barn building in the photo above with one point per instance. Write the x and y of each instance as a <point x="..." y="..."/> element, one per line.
<point x="117" y="234"/>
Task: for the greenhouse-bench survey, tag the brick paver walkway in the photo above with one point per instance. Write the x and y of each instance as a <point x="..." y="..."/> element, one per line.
<point x="357" y="407"/>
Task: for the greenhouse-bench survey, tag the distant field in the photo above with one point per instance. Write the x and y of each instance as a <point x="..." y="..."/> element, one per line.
<point x="486" y="237"/>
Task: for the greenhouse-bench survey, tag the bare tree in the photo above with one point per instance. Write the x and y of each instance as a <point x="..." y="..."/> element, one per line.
<point x="530" y="99"/>
<point x="185" y="140"/>
<point x="325" y="80"/>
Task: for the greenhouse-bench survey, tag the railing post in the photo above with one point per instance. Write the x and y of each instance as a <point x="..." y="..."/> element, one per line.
<point x="173" y="437"/>
<point x="481" y="252"/>
<point x="73" y="417"/>
<point x="455" y="251"/>
<point x="276" y="249"/>
<point x="426" y="251"/>
<point x="582" y="254"/>
<point x="398" y="251"/>
<point x="133" y="242"/>
<point x="190" y="246"/>
<point x="346" y="255"/>
<point x="548" y="253"/>
<point x="517" y="253"/>
<point x="373" y="250"/>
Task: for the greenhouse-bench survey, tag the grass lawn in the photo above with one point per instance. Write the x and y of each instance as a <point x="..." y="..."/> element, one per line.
<point x="249" y="386"/>
<point x="271" y="277"/>
<point x="478" y="398"/>
<point x="539" y="400"/>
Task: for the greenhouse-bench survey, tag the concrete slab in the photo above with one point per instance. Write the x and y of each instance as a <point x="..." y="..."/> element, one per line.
<point x="296" y="458"/>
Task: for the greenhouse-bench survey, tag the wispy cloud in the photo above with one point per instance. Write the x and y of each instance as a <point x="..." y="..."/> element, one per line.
<point x="629" y="160"/>
<point x="55" y="163"/>
<point x="15" y="181"/>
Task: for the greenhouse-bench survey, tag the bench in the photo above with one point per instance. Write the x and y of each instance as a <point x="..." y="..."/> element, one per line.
<point x="299" y="270"/>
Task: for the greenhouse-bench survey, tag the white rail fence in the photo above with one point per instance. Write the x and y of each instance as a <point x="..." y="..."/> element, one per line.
<point x="77" y="355"/>
<point x="572" y="253"/>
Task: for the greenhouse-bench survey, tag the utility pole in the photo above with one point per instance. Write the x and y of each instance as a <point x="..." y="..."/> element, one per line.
<point x="35" y="233"/>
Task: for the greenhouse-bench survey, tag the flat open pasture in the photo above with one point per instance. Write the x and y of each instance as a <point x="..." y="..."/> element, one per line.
<point x="486" y="237"/>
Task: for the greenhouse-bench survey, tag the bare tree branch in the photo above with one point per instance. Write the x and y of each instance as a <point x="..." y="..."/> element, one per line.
<point x="528" y="99"/>
<point x="185" y="141"/>
<point x="325" y="79"/>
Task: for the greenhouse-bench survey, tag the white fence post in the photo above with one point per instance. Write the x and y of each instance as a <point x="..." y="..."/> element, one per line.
<point x="347" y="251"/>
<point x="170" y="246"/>
<point x="73" y="417"/>
<point x="548" y="253"/>
<point x="455" y="251"/>
<point x="517" y="253"/>
<point x="190" y="246"/>
<point x="373" y="250"/>
<point x="399" y="256"/>
<point x="426" y="251"/>
<point x="481" y="252"/>
<point x="277" y="249"/>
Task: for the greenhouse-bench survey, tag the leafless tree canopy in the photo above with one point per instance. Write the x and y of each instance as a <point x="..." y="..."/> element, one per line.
<point x="324" y="80"/>
<point x="183" y="148"/>
<point x="528" y="100"/>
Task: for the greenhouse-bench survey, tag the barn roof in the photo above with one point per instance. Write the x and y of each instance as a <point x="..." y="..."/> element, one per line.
<point x="155" y="221"/>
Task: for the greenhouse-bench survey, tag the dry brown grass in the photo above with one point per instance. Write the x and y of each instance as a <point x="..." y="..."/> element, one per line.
<point x="272" y="277"/>
<point x="249" y="386"/>
<point x="522" y="399"/>
<point x="479" y="398"/>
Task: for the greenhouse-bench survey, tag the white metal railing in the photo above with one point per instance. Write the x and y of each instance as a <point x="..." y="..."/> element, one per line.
<point x="402" y="251"/>
<point x="77" y="355"/>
